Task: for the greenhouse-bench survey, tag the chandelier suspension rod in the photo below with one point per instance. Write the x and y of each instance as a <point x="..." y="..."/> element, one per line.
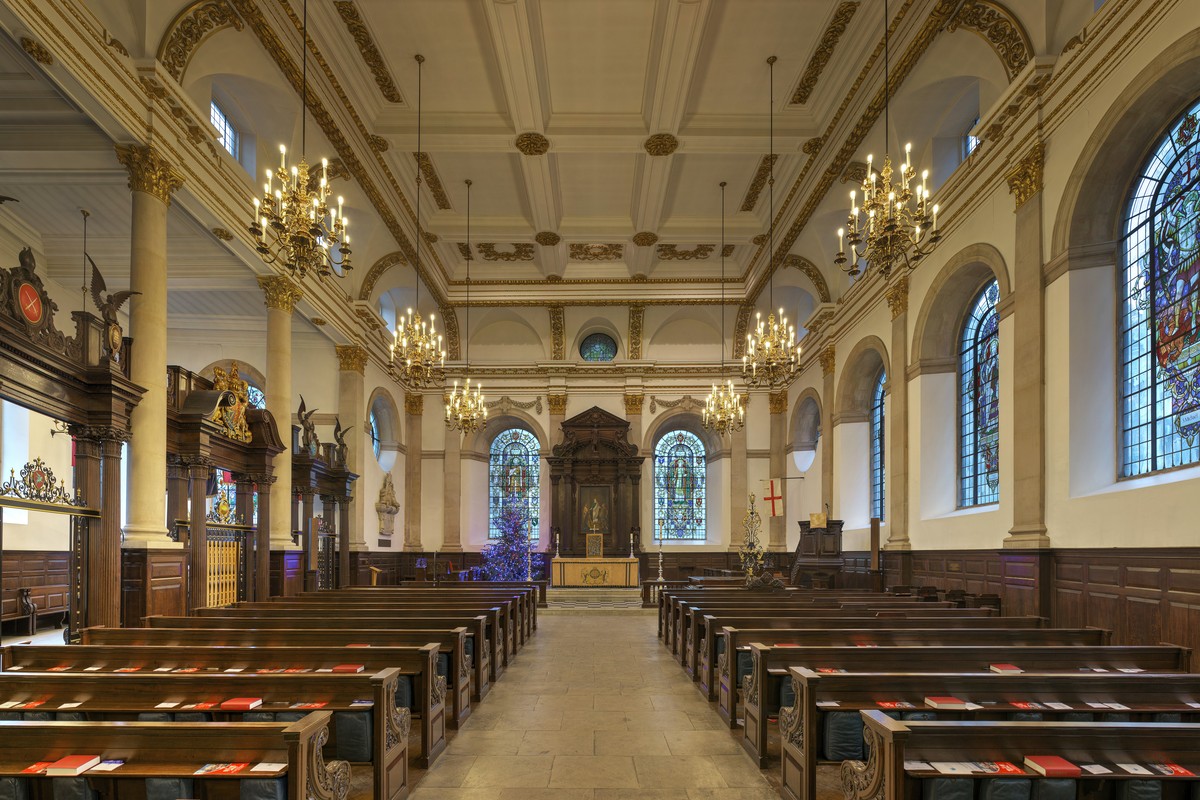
<point x="304" y="84"/>
<point x="417" y="301"/>
<point x="722" y="372"/>
<point x="771" y="186"/>
<point x="467" y="314"/>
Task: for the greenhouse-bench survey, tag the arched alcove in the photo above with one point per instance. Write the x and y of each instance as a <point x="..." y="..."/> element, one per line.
<point x="939" y="322"/>
<point x="805" y="428"/>
<point x="384" y="428"/>
<point x="857" y="384"/>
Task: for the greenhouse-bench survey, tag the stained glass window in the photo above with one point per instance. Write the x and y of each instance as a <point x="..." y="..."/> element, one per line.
<point x="877" y="451"/>
<point x="514" y="469"/>
<point x="257" y="398"/>
<point x="680" y="470"/>
<point x="373" y="422"/>
<point x="598" y="347"/>
<point x="979" y="402"/>
<point x="1160" y="308"/>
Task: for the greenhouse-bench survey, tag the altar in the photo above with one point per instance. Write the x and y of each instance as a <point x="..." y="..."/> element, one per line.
<point x="594" y="572"/>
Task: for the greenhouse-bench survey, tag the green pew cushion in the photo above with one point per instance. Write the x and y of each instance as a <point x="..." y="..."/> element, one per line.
<point x="74" y="789"/>
<point x="443" y="665"/>
<point x="168" y="788"/>
<point x="720" y="645"/>
<point x="1078" y="716"/>
<point x="404" y="692"/>
<point x="745" y="665"/>
<point x="354" y="735"/>
<point x="469" y="646"/>
<point x="37" y="716"/>
<point x="1138" y="790"/>
<point x="14" y="789"/>
<point x="263" y="789"/>
<point x="258" y="716"/>
<point x="1005" y="789"/>
<point x="1168" y="716"/>
<point x="10" y="716"/>
<point x="192" y="716"/>
<point x="1054" y="789"/>
<point x="289" y="716"/>
<point x="918" y="716"/>
<point x="843" y="735"/>
<point x="787" y="695"/>
<point x="155" y="716"/>
<point x="947" y="789"/>
<point x="1026" y="716"/>
<point x="70" y="716"/>
<point x="1120" y="716"/>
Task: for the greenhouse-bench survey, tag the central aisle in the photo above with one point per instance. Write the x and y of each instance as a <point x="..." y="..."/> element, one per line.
<point x="594" y="709"/>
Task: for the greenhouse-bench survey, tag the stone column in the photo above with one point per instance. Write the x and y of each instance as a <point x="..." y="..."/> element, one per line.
<point x="281" y="296"/>
<point x="1029" y="358"/>
<point x="897" y="420"/>
<point x="414" y="407"/>
<point x="352" y="411"/>
<point x="739" y="491"/>
<point x="777" y="526"/>
<point x="452" y="493"/>
<point x="558" y="412"/>
<point x="151" y="182"/>
<point x="828" y="359"/>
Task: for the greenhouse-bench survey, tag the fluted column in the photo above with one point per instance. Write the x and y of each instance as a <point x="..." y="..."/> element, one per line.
<point x="352" y="411"/>
<point x="151" y="182"/>
<point x="281" y="296"/>
<point x="897" y="420"/>
<point x="777" y="526"/>
<point x="414" y="407"/>
<point x="828" y="359"/>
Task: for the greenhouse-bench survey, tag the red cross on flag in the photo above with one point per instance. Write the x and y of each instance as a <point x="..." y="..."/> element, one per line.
<point x="773" y="496"/>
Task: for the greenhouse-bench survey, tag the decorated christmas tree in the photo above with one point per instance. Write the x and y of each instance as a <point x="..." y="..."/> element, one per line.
<point x="507" y="558"/>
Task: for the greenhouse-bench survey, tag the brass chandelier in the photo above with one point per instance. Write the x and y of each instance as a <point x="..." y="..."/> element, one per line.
<point x="465" y="408"/>
<point x="772" y="353"/>
<point x="899" y="226"/>
<point x="723" y="410"/>
<point x="417" y="356"/>
<point x="293" y="224"/>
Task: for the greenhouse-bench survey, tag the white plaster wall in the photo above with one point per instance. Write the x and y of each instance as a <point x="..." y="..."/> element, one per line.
<point x="25" y="435"/>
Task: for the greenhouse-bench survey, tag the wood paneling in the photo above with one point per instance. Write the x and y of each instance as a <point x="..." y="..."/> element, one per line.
<point x="152" y="582"/>
<point x="45" y="572"/>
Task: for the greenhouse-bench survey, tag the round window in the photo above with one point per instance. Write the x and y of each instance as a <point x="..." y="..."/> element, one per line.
<point x="598" y="347"/>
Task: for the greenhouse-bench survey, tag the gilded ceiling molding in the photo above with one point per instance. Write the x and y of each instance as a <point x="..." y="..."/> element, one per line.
<point x="430" y="237"/>
<point x="1025" y="179"/>
<point x="820" y="57"/>
<point x="377" y="269"/>
<point x="37" y="51"/>
<point x="521" y="251"/>
<point x="532" y="144"/>
<point x="558" y="343"/>
<point x="1000" y="28"/>
<point x="810" y="269"/>
<point x="450" y="325"/>
<point x="595" y="252"/>
<point x="670" y="252"/>
<point x="191" y="26"/>
<point x="547" y="238"/>
<point x="464" y="250"/>
<point x="645" y="238"/>
<point x="149" y="172"/>
<point x="661" y="144"/>
<point x="557" y="403"/>
<point x="432" y="181"/>
<point x="759" y="240"/>
<point x="740" y="327"/>
<point x="813" y="145"/>
<point x="117" y="46"/>
<point x="855" y="172"/>
<point x="758" y="182"/>
<point x="378" y="143"/>
<point x="371" y="56"/>
<point x="828" y="359"/>
<point x="279" y="292"/>
<point x="351" y="358"/>
<point x="223" y="234"/>
<point x="637" y="314"/>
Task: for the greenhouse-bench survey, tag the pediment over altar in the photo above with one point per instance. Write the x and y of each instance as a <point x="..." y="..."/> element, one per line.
<point x="595" y="433"/>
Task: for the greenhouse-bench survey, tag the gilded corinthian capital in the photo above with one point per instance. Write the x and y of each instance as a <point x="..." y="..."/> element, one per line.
<point x="279" y="292"/>
<point x="148" y="172"/>
<point x="352" y="358"/>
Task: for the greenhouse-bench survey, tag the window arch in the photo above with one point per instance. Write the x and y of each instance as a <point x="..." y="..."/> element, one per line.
<point x="373" y="431"/>
<point x="680" y="476"/>
<point x="979" y="401"/>
<point x="1160" y="307"/>
<point x="514" y="472"/>
<point x="877" y="448"/>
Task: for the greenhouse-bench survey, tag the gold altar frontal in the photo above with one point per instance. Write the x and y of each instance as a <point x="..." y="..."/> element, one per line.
<point x="594" y="572"/>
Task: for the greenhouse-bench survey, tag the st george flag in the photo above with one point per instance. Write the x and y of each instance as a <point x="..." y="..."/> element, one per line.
<point x="772" y="497"/>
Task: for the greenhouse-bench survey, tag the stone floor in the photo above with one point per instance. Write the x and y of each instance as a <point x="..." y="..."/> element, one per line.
<point x="594" y="709"/>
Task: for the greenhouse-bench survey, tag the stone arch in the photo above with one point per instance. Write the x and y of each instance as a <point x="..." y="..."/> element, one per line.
<point x="1092" y="206"/>
<point x="1001" y="29"/>
<point x="597" y="324"/>
<point x="382" y="265"/>
<point x="389" y="423"/>
<point x="479" y="443"/>
<point x="191" y="26"/>
<point x="857" y="384"/>
<point x="939" y="323"/>
<point x="805" y="421"/>
<point x="685" y="416"/>
<point x="810" y="270"/>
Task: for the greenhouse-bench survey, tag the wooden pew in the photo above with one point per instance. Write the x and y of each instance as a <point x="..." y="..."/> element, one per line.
<point x="540" y="586"/>
<point x="892" y="743"/>
<point x="429" y="688"/>
<point x="669" y="601"/>
<point x="178" y="749"/>
<point x="451" y="641"/>
<point x="800" y="727"/>
<point x="712" y="640"/>
<point x="772" y="663"/>
<point x="530" y="597"/>
<point x="102" y="697"/>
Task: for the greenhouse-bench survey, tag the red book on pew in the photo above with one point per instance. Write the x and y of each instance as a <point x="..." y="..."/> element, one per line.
<point x="786" y="644"/>
<point x="1172" y="769"/>
<point x="344" y="668"/>
<point x="895" y="704"/>
<point x="36" y="767"/>
<point x="946" y="702"/>
<point x="1005" y="669"/>
<point x="1052" y="766"/>
<point x="241" y="704"/>
<point x="72" y="765"/>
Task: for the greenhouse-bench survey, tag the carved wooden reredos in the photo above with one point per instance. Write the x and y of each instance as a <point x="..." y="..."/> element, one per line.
<point x="595" y="461"/>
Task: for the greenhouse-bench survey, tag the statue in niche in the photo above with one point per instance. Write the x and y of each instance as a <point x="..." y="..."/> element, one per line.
<point x="387" y="506"/>
<point x="597" y="516"/>
<point x="341" y="449"/>
<point x="309" y="443"/>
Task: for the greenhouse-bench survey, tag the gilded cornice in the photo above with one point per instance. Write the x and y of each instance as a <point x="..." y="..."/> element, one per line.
<point x="633" y="404"/>
<point x="557" y="403"/>
<point x="637" y="314"/>
<point x="279" y="292"/>
<point x="558" y="346"/>
<point x="532" y="144"/>
<point x="828" y="358"/>
<point x="521" y="251"/>
<point x="149" y="172"/>
<point x="897" y="296"/>
<point x="198" y="131"/>
<point x="223" y="234"/>
<point x="414" y="404"/>
<point x="810" y="269"/>
<point x="352" y="358"/>
<point x="595" y="252"/>
<point x="371" y="56"/>
<point x="824" y="52"/>
<point x="661" y="144"/>
<point x="547" y="238"/>
<point x="1025" y="179"/>
<point x="740" y="327"/>
<point x="464" y="250"/>
<point x="37" y="51"/>
<point x="376" y="271"/>
<point x="855" y="172"/>
<point x="450" y="325"/>
<point x="670" y="252"/>
<point x="1000" y="28"/>
<point x="645" y="238"/>
<point x="432" y="181"/>
<point x="191" y="26"/>
<point x="758" y="182"/>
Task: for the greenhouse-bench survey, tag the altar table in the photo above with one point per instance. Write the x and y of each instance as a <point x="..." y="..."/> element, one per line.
<point x="594" y="572"/>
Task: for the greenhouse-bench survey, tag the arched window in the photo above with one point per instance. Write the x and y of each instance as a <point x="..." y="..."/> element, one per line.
<point x="1160" y="308"/>
<point x="979" y="402"/>
<point x="877" y="451"/>
<point x="376" y="441"/>
<point x="680" y="470"/>
<point x="256" y="396"/>
<point x="598" y="347"/>
<point x="514" y="470"/>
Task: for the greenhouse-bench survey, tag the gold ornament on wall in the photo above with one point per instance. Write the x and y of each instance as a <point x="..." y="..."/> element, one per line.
<point x="232" y="416"/>
<point x="521" y="251"/>
<point x="371" y="56"/>
<point x="760" y="180"/>
<point x="558" y="347"/>
<point x="1025" y="179"/>
<point x="36" y="51"/>
<point x="414" y="404"/>
<point x="595" y="252"/>
<point x="824" y="52"/>
<point x="897" y="296"/>
<point x="670" y="252"/>
<point x="190" y="27"/>
<point x="637" y="315"/>
<point x="432" y="181"/>
<point x="777" y="401"/>
<point x="352" y="358"/>
<point x="149" y="172"/>
<point x="557" y="404"/>
<point x="633" y="403"/>
<point x="828" y="359"/>
<point x="1001" y="29"/>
